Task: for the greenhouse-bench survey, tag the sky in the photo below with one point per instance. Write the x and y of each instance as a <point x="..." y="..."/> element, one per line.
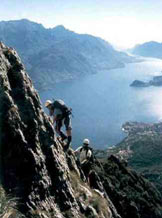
<point x="123" y="23"/>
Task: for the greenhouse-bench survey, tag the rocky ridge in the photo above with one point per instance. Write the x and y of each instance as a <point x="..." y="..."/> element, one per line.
<point x="33" y="164"/>
<point x="142" y="150"/>
<point x="46" y="180"/>
<point x="132" y="195"/>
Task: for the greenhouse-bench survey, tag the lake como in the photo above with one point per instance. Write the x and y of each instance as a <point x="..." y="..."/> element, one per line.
<point x="102" y="102"/>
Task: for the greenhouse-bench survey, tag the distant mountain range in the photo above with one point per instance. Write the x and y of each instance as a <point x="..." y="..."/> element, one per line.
<point x="148" y="49"/>
<point x="57" y="54"/>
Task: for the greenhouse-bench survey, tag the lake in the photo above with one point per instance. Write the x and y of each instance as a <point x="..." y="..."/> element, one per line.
<point x="102" y="102"/>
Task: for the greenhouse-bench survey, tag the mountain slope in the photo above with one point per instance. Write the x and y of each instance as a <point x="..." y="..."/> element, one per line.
<point x="57" y="54"/>
<point x="148" y="49"/>
<point x="46" y="181"/>
<point x="33" y="165"/>
<point x="142" y="149"/>
<point x="132" y="195"/>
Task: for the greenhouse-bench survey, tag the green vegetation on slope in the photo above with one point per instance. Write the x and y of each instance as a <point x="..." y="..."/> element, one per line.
<point x="142" y="148"/>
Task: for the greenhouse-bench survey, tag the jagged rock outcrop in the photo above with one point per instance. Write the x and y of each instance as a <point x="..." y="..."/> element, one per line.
<point x="34" y="167"/>
<point x="143" y="149"/>
<point x="132" y="195"/>
<point x="26" y="136"/>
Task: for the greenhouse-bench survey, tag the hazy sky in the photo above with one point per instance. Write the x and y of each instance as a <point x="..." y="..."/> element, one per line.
<point x="123" y="23"/>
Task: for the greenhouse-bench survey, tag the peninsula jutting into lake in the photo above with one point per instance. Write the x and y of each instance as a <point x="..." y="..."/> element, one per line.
<point x="156" y="81"/>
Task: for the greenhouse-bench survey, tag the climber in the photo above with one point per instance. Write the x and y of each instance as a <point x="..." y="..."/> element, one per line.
<point x="85" y="157"/>
<point x="61" y="115"/>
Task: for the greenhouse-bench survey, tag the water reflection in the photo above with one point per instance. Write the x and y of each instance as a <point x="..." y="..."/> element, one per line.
<point x="103" y="102"/>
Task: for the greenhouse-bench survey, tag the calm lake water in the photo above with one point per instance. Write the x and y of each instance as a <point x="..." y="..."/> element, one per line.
<point x="102" y="102"/>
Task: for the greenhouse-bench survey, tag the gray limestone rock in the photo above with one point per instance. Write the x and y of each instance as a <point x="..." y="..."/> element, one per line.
<point x="33" y="165"/>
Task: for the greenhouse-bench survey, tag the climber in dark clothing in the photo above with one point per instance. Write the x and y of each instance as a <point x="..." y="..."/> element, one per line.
<point x="61" y="115"/>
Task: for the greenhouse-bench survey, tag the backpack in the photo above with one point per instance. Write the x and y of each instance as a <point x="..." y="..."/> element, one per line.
<point x="92" y="158"/>
<point x="61" y="105"/>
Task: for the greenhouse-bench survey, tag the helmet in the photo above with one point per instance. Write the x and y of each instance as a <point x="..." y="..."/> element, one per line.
<point x="47" y="103"/>
<point x="86" y="141"/>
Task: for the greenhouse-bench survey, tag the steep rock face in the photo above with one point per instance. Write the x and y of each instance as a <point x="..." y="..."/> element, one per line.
<point x="25" y="141"/>
<point x="33" y="165"/>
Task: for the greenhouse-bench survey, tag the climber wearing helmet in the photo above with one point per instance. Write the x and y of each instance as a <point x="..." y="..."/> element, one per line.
<point x="61" y="115"/>
<point x="84" y="152"/>
<point x="84" y="155"/>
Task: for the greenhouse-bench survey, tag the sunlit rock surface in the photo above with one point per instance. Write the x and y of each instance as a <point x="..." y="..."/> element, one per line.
<point x="34" y="167"/>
